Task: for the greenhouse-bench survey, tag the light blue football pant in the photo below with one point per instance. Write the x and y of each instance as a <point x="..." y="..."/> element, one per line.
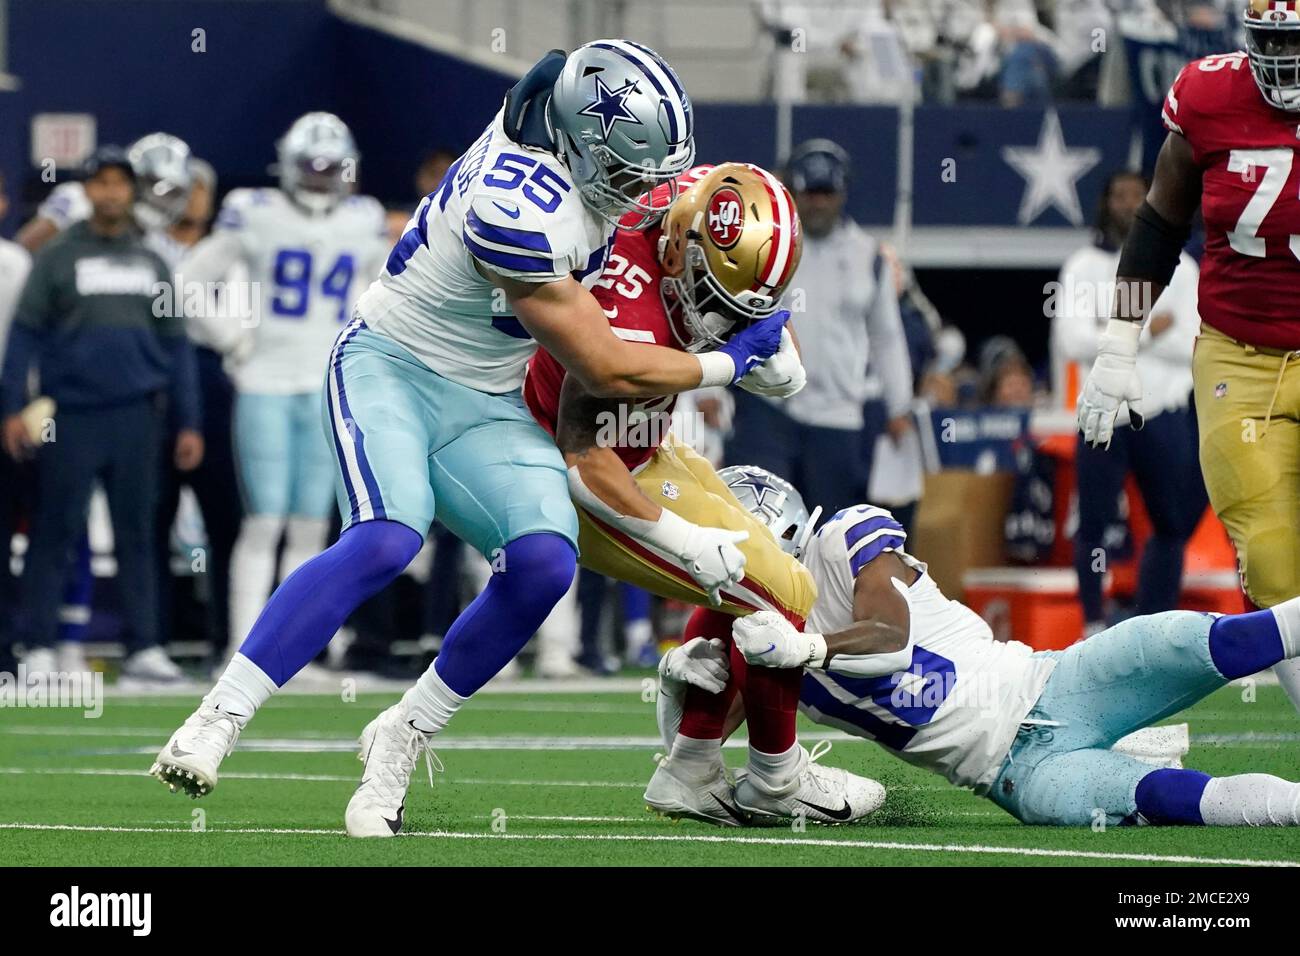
<point x="285" y="465"/>
<point x="1127" y="677"/>
<point x="411" y="445"/>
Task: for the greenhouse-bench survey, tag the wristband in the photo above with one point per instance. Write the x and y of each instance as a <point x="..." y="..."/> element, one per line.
<point x="816" y="650"/>
<point x="716" y="368"/>
<point x="1124" y="333"/>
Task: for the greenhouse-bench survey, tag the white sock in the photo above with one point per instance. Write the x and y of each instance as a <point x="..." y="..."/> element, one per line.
<point x="241" y="689"/>
<point x="776" y="772"/>
<point x="694" y="758"/>
<point x="430" y="703"/>
<point x="1251" y="799"/>
<point x="252" y="572"/>
<point x="304" y="538"/>
<point x="1287" y="615"/>
<point x="1288" y="675"/>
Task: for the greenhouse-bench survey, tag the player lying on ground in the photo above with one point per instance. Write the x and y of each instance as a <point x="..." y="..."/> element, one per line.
<point x="890" y="659"/>
<point x="654" y="513"/>
<point x="422" y="408"/>
<point x="1232" y="121"/>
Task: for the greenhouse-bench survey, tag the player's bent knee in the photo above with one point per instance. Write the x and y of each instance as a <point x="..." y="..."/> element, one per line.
<point x="546" y="562"/>
<point x="1170" y="797"/>
<point x="381" y="550"/>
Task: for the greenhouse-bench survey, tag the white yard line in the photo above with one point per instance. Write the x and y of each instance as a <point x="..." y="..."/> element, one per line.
<point x="819" y="843"/>
<point x="317" y="777"/>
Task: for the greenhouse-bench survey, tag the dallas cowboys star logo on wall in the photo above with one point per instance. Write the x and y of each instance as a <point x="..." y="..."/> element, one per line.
<point x="610" y="106"/>
<point x="1051" y="171"/>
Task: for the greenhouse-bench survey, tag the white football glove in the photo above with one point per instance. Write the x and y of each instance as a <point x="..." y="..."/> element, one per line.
<point x="712" y="558"/>
<point x="767" y="639"/>
<point x="1112" y="383"/>
<point x="780" y="376"/>
<point x="699" y="662"/>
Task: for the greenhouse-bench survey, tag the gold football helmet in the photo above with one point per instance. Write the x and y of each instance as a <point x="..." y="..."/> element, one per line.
<point x="730" y="245"/>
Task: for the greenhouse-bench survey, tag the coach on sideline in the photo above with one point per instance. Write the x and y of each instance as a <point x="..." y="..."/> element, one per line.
<point x="86" y="324"/>
<point x="846" y="315"/>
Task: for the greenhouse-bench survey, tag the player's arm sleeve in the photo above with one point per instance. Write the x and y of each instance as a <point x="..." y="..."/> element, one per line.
<point x="210" y="261"/>
<point x="516" y="240"/>
<point x="888" y="341"/>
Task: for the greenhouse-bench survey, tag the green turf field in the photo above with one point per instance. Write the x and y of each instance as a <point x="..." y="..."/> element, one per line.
<point x="541" y="778"/>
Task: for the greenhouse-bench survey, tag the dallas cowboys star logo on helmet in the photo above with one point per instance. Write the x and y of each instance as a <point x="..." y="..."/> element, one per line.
<point x="610" y="106"/>
<point x="760" y="490"/>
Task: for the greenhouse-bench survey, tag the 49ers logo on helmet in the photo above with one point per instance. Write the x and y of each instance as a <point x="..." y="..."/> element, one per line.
<point x="725" y="217"/>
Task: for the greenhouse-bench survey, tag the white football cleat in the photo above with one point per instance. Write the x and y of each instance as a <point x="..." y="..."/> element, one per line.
<point x="41" y="662"/>
<point x="190" y="759"/>
<point x="822" y="794"/>
<point x="72" y="658"/>
<point x="711" y="800"/>
<point x="1158" y="746"/>
<point x="390" y="747"/>
<point x="152" y="664"/>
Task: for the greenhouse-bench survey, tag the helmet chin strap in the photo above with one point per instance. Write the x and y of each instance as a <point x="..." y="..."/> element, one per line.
<point x="808" y="529"/>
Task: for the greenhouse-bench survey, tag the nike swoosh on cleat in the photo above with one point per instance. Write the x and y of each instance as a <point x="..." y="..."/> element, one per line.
<point x="395" y="825"/>
<point x="734" y="812"/>
<point x="513" y="214"/>
<point x="843" y="813"/>
<point x="770" y="648"/>
<point x="177" y="752"/>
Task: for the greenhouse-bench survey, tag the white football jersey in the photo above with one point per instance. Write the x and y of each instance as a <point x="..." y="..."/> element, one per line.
<point x="67" y="204"/>
<point x="957" y="708"/>
<point x="516" y="210"/>
<point x="305" y="272"/>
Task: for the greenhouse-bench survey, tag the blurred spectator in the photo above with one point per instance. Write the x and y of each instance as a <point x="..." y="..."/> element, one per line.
<point x="1029" y="60"/>
<point x="1006" y="379"/>
<point x="845" y="314"/>
<point x="86" y="323"/>
<point x="15" y="263"/>
<point x="1163" y="456"/>
<point x="846" y="50"/>
<point x="1083" y="29"/>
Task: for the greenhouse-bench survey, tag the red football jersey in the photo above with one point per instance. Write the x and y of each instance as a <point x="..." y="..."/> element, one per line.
<point x="1250" y="198"/>
<point x="628" y="291"/>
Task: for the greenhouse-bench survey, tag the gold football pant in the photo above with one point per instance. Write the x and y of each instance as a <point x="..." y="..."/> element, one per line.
<point x="1248" y="409"/>
<point x="686" y="484"/>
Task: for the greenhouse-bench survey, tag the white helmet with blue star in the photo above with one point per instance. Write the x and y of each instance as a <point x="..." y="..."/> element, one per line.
<point x="775" y="502"/>
<point x="623" y="124"/>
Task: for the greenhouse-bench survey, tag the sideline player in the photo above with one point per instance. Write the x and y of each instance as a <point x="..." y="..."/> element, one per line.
<point x="1232" y="121"/>
<point x="306" y="247"/>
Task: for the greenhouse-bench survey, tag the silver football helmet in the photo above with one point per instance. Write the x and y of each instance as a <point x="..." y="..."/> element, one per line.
<point x="775" y="502"/>
<point x="318" y="161"/>
<point x="623" y="124"/>
<point x="163" y="176"/>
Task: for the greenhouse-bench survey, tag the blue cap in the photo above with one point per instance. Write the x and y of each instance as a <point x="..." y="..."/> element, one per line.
<point x="105" y="157"/>
<point x="818" y="165"/>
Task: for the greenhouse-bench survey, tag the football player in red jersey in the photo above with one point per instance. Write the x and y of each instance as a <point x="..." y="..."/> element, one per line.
<point x="654" y="513"/>
<point x="1234" y="124"/>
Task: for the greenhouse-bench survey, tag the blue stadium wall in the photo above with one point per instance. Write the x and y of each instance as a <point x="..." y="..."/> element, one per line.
<point x="131" y="64"/>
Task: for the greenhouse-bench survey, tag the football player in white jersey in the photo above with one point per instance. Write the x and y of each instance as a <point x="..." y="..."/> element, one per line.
<point x="307" y="248"/>
<point x="888" y="658"/>
<point x="423" y="408"/>
<point x="164" y="175"/>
